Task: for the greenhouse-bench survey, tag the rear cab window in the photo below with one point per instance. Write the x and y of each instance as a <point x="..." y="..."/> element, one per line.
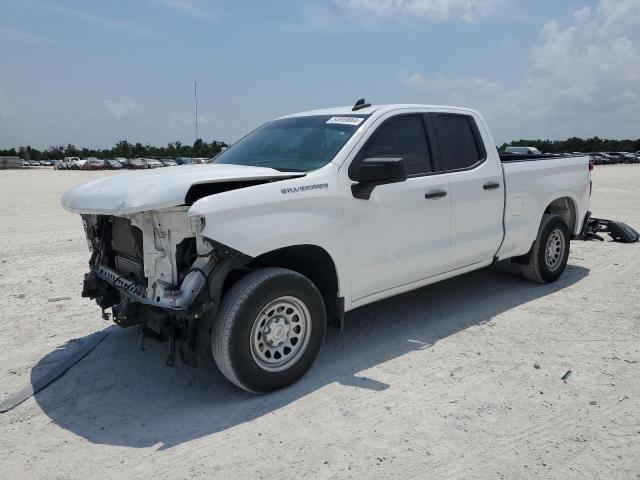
<point x="461" y="146"/>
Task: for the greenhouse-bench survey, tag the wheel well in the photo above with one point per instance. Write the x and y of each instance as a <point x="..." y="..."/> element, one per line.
<point x="313" y="262"/>
<point x="566" y="209"/>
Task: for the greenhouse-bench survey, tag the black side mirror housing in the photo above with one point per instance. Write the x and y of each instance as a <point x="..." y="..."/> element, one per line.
<point x="377" y="171"/>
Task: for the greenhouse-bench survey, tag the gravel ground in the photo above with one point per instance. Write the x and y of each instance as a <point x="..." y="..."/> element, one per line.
<point x="457" y="380"/>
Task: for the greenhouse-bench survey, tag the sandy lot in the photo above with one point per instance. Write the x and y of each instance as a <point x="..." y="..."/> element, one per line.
<point x="437" y="383"/>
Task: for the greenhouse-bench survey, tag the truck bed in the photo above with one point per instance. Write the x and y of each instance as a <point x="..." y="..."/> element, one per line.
<point x="531" y="185"/>
<point x="519" y="157"/>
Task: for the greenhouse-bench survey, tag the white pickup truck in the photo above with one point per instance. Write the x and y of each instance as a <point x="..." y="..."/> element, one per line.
<point x="312" y="215"/>
<point x="68" y="163"/>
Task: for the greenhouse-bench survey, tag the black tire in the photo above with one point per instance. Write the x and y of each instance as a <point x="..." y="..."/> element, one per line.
<point x="233" y="333"/>
<point x="539" y="268"/>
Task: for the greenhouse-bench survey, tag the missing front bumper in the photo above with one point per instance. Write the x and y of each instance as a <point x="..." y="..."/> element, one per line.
<point x="177" y="301"/>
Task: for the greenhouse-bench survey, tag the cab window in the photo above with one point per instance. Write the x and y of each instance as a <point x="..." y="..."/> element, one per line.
<point x="460" y="143"/>
<point x="399" y="137"/>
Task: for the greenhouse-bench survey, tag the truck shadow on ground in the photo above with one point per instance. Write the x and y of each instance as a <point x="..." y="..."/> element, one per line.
<point x="121" y="395"/>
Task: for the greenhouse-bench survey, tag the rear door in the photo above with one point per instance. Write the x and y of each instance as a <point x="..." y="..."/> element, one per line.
<point x="477" y="190"/>
<point x="401" y="234"/>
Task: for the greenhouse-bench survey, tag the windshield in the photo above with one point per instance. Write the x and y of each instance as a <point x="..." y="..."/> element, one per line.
<point x="298" y="144"/>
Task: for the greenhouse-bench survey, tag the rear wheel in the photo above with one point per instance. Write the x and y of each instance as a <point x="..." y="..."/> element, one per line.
<point x="550" y="252"/>
<point x="269" y="329"/>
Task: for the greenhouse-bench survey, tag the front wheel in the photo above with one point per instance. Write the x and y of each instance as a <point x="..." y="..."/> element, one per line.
<point x="550" y="251"/>
<point x="269" y="329"/>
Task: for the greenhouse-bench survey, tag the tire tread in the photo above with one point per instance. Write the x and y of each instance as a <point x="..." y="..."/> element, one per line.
<point x="235" y="298"/>
<point x="531" y="270"/>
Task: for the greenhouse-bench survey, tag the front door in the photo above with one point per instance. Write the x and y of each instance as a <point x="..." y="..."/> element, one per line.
<point x="400" y="235"/>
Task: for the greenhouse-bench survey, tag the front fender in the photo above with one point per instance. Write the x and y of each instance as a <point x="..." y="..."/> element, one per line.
<point x="262" y="218"/>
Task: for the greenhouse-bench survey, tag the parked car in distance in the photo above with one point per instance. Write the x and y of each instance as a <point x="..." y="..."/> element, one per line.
<point x="34" y="163"/>
<point x="596" y="158"/>
<point x="168" y="162"/>
<point x="135" y="164"/>
<point x="184" y="161"/>
<point x="94" y="164"/>
<point x="152" y="163"/>
<point x="24" y="163"/>
<point x="606" y="159"/>
<point x="78" y="163"/>
<point x="523" y="150"/>
<point x="66" y="162"/>
<point x="615" y="157"/>
<point x="113" y="165"/>
<point x="252" y="256"/>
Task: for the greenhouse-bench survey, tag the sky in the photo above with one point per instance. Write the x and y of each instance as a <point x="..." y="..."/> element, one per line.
<point x="93" y="73"/>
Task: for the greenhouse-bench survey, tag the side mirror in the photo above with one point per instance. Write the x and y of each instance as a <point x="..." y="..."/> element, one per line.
<point x="377" y="171"/>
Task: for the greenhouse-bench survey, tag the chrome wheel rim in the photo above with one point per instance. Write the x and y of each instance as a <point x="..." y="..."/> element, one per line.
<point x="554" y="251"/>
<point x="280" y="334"/>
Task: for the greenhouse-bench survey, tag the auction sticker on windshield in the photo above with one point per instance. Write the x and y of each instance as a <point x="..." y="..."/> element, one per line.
<point x="346" y="120"/>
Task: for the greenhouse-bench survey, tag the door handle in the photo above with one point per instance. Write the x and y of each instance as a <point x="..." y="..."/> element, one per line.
<point x="434" y="194"/>
<point x="491" y="185"/>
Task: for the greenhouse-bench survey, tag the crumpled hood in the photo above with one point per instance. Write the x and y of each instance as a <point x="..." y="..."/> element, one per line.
<point x="138" y="191"/>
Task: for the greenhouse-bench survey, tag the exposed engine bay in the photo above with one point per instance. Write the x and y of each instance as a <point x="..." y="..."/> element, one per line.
<point x="155" y="270"/>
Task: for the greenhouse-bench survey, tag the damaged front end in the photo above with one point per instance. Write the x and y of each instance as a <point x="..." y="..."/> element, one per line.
<point x="155" y="270"/>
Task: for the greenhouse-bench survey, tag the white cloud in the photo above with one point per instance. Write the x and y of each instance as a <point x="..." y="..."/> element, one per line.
<point x="311" y="17"/>
<point x="583" y="79"/>
<point x="203" y="120"/>
<point x="583" y="14"/>
<point x="123" y="107"/>
<point x="102" y="21"/>
<point x="180" y="122"/>
<point x="192" y="8"/>
<point x="28" y="37"/>
<point x="466" y="10"/>
<point x="619" y="12"/>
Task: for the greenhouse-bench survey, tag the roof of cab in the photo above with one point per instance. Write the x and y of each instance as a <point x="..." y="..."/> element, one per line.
<point x="373" y="108"/>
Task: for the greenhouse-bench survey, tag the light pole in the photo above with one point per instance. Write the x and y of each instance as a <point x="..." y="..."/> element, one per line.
<point x="195" y="95"/>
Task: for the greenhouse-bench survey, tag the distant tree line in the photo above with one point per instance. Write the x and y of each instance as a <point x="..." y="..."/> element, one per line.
<point x="123" y="148"/>
<point x="201" y="148"/>
<point x="575" y="144"/>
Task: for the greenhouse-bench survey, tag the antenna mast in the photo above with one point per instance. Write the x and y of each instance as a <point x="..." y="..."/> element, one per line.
<point x="195" y="94"/>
